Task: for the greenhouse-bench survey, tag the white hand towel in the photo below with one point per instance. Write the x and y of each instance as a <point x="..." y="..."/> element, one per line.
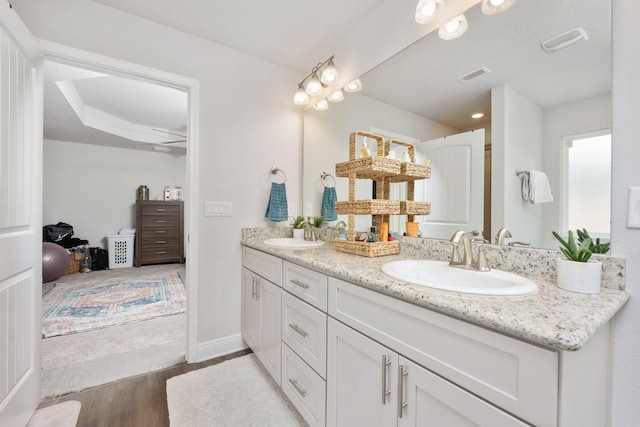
<point x="539" y="188"/>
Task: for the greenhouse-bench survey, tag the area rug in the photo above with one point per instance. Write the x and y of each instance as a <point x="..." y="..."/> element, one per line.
<point x="64" y="414"/>
<point x="79" y="307"/>
<point x="238" y="392"/>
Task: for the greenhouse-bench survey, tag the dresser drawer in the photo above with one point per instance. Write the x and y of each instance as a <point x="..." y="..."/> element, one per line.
<point x="162" y="221"/>
<point x="520" y="378"/>
<point x="304" y="329"/>
<point x="262" y="264"/>
<point x="306" y="284"/>
<point x="157" y="234"/>
<point x="156" y="252"/>
<point x="164" y="210"/>
<point x="304" y="388"/>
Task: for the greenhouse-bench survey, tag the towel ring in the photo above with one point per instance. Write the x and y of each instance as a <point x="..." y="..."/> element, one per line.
<point x="273" y="172"/>
<point x="518" y="173"/>
<point x="324" y="176"/>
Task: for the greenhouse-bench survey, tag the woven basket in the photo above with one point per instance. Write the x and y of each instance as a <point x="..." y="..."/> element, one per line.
<point x="368" y="207"/>
<point x="411" y="172"/>
<point x="369" y="168"/>
<point x="408" y="207"/>
<point x="374" y="249"/>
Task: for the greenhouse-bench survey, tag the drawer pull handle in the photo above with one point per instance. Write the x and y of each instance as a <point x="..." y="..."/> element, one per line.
<point x="297" y="386"/>
<point x="386" y="362"/>
<point x="161" y="231"/>
<point x="298" y="329"/>
<point x="402" y="372"/>
<point x="161" y="220"/>
<point x="160" y="242"/>
<point x="161" y="252"/>
<point x="299" y="283"/>
<point x="161" y="210"/>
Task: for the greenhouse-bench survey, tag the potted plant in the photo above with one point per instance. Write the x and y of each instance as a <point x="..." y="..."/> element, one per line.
<point x="577" y="273"/>
<point x="318" y="221"/>
<point x="298" y="227"/>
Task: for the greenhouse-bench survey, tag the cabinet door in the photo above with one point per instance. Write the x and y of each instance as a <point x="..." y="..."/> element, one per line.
<point x="270" y="337"/>
<point x="426" y="399"/>
<point x="250" y="310"/>
<point x="361" y="380"/>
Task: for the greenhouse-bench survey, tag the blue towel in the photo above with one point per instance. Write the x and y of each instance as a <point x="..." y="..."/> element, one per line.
<point x="328" y="210"/>
<point x="277" y="209"/>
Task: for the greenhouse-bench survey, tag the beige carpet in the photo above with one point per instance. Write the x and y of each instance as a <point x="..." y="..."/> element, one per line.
<point x="238" y="392"/>
<point x="63" y="414"/>
<point x="78" y="361"/>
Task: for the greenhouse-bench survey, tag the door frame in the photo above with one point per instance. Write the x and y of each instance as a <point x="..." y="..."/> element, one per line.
<point x="104" y="64"/>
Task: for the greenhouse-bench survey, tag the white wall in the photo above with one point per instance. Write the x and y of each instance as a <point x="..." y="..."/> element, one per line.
<point x="569" y="119"/>
<point x="247" y="124"/>
<point x="94" y="188"/>
<point x="516" y="144"/>
<point x="625" y="174"/>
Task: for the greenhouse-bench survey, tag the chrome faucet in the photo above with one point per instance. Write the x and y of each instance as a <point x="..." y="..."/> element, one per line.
<point x="503" y="233"/>
<point x="309" y="230"/>
<point x="468" y="262"/>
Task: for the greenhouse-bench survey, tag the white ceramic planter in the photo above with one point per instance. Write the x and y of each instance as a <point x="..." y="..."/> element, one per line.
<point x="583" y="277"/>
<point x="298" y="233"/>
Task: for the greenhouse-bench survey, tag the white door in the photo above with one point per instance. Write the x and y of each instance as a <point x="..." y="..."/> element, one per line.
<point x="361" y="379"/>
<point x="20" y="219"/>
<point x="456" y="186"/>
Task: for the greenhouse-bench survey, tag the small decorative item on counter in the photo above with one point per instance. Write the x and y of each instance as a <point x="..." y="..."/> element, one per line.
<point x="406" y="158"/>
<point x="372" y="236"/>
<point x="298" y="227"/>
<point x="412" y="229"/>
<point x="142" y="193"/>
<point x="426" y="162"/>
<point x="577" y="273"/>
<point x="384" y="232"/>
<point x="364" y="150"/>
<point x="318" y="221"/>
<point x="363" y="237"/>
<point x="172" y="192"/>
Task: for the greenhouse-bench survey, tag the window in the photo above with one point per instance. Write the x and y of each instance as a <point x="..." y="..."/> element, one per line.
<point x="587" y="183"/>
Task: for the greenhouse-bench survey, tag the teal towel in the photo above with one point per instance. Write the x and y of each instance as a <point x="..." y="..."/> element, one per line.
<point x="277" y="209"/>
<point x="328" y="209"/>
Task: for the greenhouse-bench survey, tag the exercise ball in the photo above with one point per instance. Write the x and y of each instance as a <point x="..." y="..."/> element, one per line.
<point x="55" y="261"/>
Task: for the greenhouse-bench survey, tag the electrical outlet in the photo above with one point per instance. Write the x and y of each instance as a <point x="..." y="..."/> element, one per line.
<point x="633" y="213"/>
<point x="308" y="209"/>
<point x="291" y="209"/>
<point x="218" y="209"/>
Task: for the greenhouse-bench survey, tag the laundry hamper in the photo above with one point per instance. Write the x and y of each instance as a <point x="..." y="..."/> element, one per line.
<point x="121" y="250"/>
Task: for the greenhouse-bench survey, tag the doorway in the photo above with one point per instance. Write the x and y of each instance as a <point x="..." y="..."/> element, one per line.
<point x="108" y="66"/>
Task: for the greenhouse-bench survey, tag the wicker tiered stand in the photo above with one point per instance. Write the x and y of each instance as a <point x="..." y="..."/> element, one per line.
<point x="383" y="171"/>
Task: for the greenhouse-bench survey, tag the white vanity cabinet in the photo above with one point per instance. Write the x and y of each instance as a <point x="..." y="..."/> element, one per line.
<point x="261" y="308"/>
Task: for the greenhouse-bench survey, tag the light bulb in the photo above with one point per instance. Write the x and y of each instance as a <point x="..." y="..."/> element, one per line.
<point x="427" y="10"/>
<point x="336" y="96"/>
<point x="301" y="97"/>
<point x="321" y="105"/>
<point x="491" y="7"/>
<point x="354" y="86"/>
<point x="314" y="86"/>
<point x="454" y="28"/>
<point x="329" y="74"/>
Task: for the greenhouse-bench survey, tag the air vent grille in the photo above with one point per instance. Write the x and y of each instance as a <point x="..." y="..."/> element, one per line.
<point x="564" y="40"/>
<point x="474" y="74"/>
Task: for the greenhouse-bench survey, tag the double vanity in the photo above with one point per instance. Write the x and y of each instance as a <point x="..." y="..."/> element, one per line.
<point x="352" y="345"/>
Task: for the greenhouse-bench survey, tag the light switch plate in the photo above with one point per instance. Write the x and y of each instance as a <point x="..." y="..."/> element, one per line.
<point x="218" y="209"/>
<point x="633" y="213"/>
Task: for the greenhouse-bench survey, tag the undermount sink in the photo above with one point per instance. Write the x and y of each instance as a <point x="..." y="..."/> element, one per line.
<point x="291" y="243"/>
<point x="440" y="275"/>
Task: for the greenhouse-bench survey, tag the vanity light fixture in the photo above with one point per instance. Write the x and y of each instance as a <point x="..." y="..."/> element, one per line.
<point x="491" y="7"/>
<point x="312" y="85"/>
<point x="354" y="86"/>
<point x="321" y="105"/>
<point x="454" y="28"/>
<point x="301" y="97"/>
<point x="477" y="115"/>
<point x="336" y="96"/>
<point x="329" y="74"/>
<point x="428" y="10"/>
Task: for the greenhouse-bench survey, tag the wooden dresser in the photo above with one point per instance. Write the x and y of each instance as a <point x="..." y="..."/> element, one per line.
<point x="159" y="232"/>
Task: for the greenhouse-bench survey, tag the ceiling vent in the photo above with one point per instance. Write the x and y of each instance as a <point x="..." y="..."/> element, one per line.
<point x="564" y="40"/>
<point x="474" y="74"/>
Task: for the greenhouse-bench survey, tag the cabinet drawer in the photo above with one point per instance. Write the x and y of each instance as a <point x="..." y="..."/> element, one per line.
<point x="518" y="377"/>
<point x="304" y="388"/>
<point x="306" y="284"/>
<point x="164" y="210"/>
<point x="160" y="221"/>
<point x="162" y="233"/>
<point x="263" y="264"/>
<point x="304" y="329"/>
<point x="160" y="252"/>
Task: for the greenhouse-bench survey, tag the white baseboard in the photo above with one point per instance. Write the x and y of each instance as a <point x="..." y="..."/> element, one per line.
<point x="220" y="347"/>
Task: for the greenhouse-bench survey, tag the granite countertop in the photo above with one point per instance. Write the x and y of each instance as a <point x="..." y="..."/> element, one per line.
<point x="552" y="317"/>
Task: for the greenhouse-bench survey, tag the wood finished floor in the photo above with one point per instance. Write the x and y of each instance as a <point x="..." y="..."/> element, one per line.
<point x="139" y="401"/>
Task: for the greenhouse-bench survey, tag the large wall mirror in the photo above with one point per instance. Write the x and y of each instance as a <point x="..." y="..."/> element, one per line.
<point x="533" y="102"/>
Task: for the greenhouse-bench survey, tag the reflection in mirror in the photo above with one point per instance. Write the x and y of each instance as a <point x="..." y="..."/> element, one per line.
<point x="530" y="99"/>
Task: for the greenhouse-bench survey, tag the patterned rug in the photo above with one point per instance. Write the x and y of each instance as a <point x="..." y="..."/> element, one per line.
<point x="78" y="307"/>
